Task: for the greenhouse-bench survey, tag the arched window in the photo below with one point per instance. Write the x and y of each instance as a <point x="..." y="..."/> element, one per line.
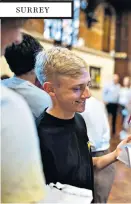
<point x="64" y="32"/>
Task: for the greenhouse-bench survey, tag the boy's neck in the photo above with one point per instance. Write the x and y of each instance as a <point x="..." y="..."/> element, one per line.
<point x="59" y="113"/>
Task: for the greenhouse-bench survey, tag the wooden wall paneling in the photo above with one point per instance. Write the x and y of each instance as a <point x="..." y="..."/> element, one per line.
<point x="35" y="25"/>
<point x="121" y="68"/>
<point x="92" y="36"/>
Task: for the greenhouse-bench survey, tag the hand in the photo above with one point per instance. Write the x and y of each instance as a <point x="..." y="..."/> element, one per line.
<point x="119" y="147"/>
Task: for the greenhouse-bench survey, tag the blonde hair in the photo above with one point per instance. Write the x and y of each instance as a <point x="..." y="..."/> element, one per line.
<point x="59" y="61"/>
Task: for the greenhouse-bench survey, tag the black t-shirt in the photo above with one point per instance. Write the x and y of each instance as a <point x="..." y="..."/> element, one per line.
<point x="65" y="154"/>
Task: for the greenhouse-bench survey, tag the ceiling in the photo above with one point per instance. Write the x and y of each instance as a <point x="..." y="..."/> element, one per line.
<point x="118" y="4"/>
<point x="121" y="3"/>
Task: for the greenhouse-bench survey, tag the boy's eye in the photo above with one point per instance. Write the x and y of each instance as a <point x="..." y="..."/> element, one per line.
<point x="76" y="89"/>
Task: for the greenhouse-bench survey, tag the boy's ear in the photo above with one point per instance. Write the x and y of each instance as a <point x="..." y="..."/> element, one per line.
<point x="48" y="87"/>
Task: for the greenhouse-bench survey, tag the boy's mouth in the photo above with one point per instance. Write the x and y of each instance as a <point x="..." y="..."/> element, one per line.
<point x="82" y="102"/>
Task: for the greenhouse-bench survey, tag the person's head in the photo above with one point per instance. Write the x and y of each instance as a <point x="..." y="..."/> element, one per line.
<point x="126" y="81"/>
<point x="116" y="78"/>
<point x="10" y="32"/>
<point x="65" y="77"/>
<point x="21" y="57"/>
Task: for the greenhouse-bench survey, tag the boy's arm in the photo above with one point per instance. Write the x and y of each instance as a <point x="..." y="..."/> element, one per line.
<point x="103" y="161"/>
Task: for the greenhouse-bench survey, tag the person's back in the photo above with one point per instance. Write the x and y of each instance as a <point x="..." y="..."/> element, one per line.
<point x="22" y="179"/>
<point x="98" y="131"/>
<point x="21" y="174"/>
<point x="21" y="60"/>
<point x="97" y="124"/>
<point x="36" y="98"/>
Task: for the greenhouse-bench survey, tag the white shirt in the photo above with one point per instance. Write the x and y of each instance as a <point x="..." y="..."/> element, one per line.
<point x="36" y="98"/>
<point x="124" y="96"/>
<point x="111" y="93"/>
<point x="22" y="178"/>
<point x="129" y="103"/>
<point x="97" y="124"/>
